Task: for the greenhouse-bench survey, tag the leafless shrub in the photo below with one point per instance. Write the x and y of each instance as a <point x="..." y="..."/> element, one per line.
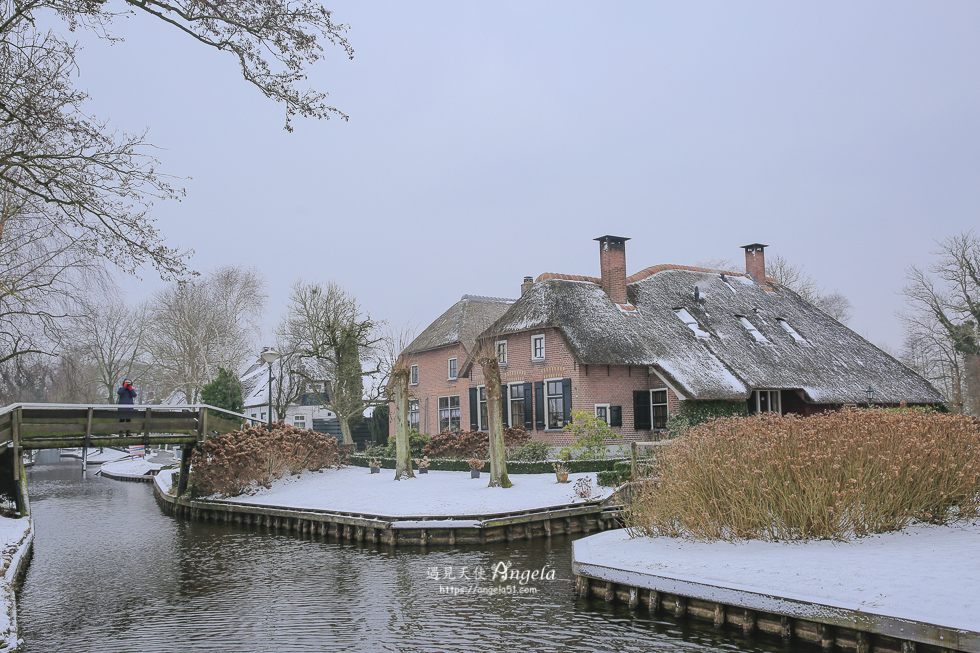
<point x="467" y="444"/>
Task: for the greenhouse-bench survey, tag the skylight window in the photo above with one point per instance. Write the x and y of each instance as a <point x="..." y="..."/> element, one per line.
<point x="790" y="330"/>
<point x="751" y="329"/>
<point x="689" y="320"/>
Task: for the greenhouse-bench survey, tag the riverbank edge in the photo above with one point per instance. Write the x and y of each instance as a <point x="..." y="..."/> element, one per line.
<point x="130" y="478"/>
<point x="15" y="562"/>
<point x="399" y="531"/>
<point x="755" y="612"/>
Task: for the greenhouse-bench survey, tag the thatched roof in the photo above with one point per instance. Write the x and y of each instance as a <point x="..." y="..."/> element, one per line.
<point x="826" y="360"/>
<point x="461" y="324"/>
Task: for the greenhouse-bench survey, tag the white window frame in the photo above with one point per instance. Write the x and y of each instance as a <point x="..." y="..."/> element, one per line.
<point x="511" y="401"/>
<point x="414" y="403"/>
<point x="534" y="340"/>
<point x="547" y="405"/>
<point x="413" y="378"/>
<point x="603" y="407"/>
<point x="453" y="369"/>
<point x="449" y="409"/>
<point x="299" y="418"/>
<point x="501" y="348"/>
<point x="665" y="403"/>
<point x="771" y="394"/>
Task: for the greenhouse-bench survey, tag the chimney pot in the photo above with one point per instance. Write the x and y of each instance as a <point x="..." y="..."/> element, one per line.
<point x="612" y="263"/>
<point x="528" y="282"/>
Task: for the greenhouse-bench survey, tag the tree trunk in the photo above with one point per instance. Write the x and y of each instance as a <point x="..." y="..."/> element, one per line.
<point x="345" y="430"/>
<point x="498" y="451"/>
<point x="403" y="462"/>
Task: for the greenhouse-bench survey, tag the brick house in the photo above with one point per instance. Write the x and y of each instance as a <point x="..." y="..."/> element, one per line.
<point x="634" y="349"/>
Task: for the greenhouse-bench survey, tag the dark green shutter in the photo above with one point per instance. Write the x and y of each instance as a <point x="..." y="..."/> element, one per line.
<point x="539" y="405"/>
<point x="504" y="402"/>
<point x="528" y="407"/>
<point x="474" y="410"/>
<point x="641" y="410"/>
<point x="615" y="416"/>
<point x="566" y="399"/>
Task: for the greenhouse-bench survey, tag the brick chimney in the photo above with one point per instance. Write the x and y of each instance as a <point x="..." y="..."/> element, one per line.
<point x="755" y="262"/>
<point x="612" y="262"/>
<point x="528" y="282"/>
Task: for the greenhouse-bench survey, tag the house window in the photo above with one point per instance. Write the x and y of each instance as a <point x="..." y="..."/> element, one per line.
<point x="263" y="417"/>
<point x="790" y="330"/>
<point x="658" y="409"/>
<point x="299" y="421"/>
<point x="502" y="352"/>
<point x="452" y="369"/>
<point x="537" y="348"/>
<point x="481" y="394"/>
<point x="765" y="401"/>
<point x="602" y="412"/>
<point x="449" y="413"/>
<point x="413" y="413"/>
<point x="413" y="378"/>
<point x="516" y="412"/>
<point x="556" y="405"/>
<point x="689" y="320"/>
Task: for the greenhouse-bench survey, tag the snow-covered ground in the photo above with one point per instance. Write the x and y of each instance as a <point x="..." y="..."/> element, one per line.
<point x="138" y="466"/>
<point x="923" y="573"/>
<point x="442" y="494"/>
<point x="95" y="457"/>
<point x="15" y="536"/>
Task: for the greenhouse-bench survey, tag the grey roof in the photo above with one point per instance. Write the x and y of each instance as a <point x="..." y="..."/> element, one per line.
<point x="461" y="324"/>
<point x="831" y="365"/>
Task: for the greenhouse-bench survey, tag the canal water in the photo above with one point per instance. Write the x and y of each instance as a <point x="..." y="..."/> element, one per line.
<point x="112" y="572"/>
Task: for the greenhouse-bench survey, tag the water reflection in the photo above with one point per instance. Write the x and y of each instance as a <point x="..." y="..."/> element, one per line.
<point x="111" y="572"/>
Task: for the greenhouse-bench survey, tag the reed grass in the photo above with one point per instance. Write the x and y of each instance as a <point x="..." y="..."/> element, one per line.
<point x="835" y="475"/>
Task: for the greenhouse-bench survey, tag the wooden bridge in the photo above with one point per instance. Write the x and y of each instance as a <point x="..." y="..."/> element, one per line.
<point x="57" y="426"/>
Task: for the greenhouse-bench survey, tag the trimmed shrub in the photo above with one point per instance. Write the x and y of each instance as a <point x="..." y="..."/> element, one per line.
<point x="532" y="451"/>
<point x="470" y="444"/>
<point x="236" y="462"/>
<point x="416" y="443"/>
<point x="590" y="435"/>
<point x="832" y="475"/>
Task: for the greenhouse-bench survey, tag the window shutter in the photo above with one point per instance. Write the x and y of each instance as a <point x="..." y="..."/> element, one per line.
<point x="566" y="392"/>
<point x="474" y="411"/>
<point x="615" y="416"/>
<point x="641" y="410"/>
<point x="504" y="402"/>
<point x="528" y="408"/>
<point x="539" y="405"/>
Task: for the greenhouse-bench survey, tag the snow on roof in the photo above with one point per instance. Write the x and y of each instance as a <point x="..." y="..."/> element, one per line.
<point x="832" y="363"/>
<point x="460" y="324"/>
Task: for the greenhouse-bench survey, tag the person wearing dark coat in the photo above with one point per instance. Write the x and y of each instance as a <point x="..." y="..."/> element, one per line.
<point x="127" y="395"/>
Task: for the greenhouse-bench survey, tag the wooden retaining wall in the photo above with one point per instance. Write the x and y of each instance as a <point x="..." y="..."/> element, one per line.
<point x="753" y="622"/>
<point x="411" y="531"/>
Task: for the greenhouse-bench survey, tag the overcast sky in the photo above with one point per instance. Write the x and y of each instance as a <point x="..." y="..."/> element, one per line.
<point x="488" y="141"/>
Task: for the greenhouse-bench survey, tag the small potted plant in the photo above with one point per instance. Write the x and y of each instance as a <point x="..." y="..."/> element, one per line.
<point x="423" y="464"/>
<point x="375" y="466"/>
<point x="561" y="472"/>
<point x="475" y="466"/>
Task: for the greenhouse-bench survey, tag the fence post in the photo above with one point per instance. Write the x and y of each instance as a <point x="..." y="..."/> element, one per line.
<point x="185" y="468"/>
<point x="633" y="469"/>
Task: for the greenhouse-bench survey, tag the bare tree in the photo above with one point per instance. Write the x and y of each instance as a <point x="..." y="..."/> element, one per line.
<point x="796" y="279"/>
<point x="195" y="328"/>
<point x="327" y="324"/>
<point x="487" y="357"/>
<point x="949" y="304"/>
<point x="394" y="376"/>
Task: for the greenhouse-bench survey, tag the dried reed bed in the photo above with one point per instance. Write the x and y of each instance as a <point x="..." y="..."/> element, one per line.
<point x="236" y="462"/>
<point x="833" y="475"/>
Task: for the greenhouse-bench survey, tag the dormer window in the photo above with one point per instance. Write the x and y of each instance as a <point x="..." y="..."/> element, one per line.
<point x="751" y="329"/>
<point x="689" y="320"/>
<point x="790" y="330"/>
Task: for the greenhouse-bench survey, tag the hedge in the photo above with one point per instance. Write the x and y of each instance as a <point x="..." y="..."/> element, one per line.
<point x="513" y="466"/>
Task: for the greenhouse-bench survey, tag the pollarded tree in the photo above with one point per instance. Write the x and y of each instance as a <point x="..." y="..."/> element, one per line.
<point x="328" y="325"/>
<point x="487" y="356"/>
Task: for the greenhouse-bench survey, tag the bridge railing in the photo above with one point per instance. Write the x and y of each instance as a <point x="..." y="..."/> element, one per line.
<point x="60" y="425"/>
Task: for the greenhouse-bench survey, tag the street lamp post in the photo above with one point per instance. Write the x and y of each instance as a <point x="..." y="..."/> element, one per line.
<point x="270" y="356"/>
<point x="871" y="395"/>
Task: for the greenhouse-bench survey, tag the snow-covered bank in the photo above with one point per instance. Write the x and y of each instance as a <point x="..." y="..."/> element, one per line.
<point x="923" y="573"/>
<point x="16" y="537"/>
<point x="445" y="494"/>
<point x="136" y="466"/>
